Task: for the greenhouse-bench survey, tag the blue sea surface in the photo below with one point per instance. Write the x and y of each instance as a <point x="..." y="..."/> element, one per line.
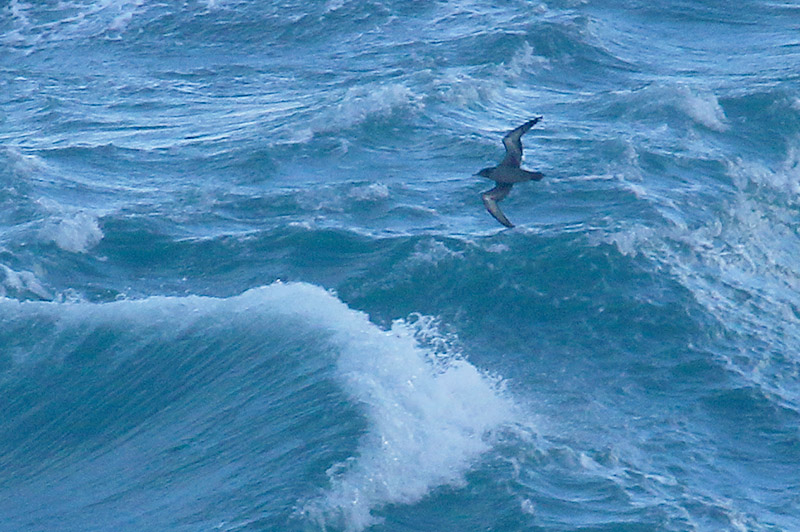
<point x="247" y="282"/>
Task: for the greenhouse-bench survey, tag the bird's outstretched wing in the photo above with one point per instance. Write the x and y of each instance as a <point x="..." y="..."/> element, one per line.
<point x="514" y="145"/>
<point x="490" y="199"/>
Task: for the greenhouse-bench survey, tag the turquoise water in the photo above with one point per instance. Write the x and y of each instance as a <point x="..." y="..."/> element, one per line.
<point x="247" y="282"/>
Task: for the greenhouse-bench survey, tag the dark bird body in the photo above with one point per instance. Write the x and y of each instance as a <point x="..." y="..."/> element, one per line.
<point x="508" y="172"/>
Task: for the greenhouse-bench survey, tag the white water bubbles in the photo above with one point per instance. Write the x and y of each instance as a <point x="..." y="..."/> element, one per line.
<point x="77" y="232"/>
<point x="703" y="107"/>
<point x="37" y="25"/>
<point x="738" y="257"/>
<point x="21" y="284"/>
<point x="431" y="416"/>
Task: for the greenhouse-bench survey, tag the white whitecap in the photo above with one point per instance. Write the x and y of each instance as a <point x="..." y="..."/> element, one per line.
<point x="19" y="282"/>
<point x="23" y="164"/>
<point x="432" y="251"/>
<point x="76" y="233"/>
<point x="362" y="102"/>
<point x="740" y="263"/>
<point x="703" y="107"/>
<point x="498" y="248"/>
<point x="127" y="10"/>
<point x="429" y="417"/>
<point x="334" y="5"/>
<point x="524" y="61"/>
<point x="371" y="192"/>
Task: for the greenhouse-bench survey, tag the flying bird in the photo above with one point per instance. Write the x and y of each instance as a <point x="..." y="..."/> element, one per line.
<point x="508" y="172"/>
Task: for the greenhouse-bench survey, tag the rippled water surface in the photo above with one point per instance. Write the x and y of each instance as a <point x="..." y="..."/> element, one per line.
<point x="247" y="282"/>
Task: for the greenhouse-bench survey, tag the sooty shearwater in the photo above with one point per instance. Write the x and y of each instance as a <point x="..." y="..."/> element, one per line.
<point x="508" y="172"/>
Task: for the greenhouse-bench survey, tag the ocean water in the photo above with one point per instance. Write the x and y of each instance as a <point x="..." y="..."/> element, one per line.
<point x="247" y="282"/>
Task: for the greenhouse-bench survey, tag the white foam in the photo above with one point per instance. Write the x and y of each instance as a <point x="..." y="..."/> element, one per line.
<point x="741" y="265"/>
<point x="127" y="10"/>
<point x="25" y="165"/>
<point x="432" y="251"/>
<point x="524" y="61"/>
<point x="429" y="417"/>
<point x="429" y="423"/>
<point x="213" y="5"/>
<point x="295" y="135"/>
<point x="498" y="248"/>
<point x="13" y="282"/>
<point x="785" y="179"/>
<point x="334" y="5"/>
<point x="629" y="240"/>
<point x="371" y="192"/>
<point x="82" y="19"/>
<point x="338" y="198"/>
<point x="704" y="108"/>
<point x="76" y="233"/>
<point x="362" y="102"/>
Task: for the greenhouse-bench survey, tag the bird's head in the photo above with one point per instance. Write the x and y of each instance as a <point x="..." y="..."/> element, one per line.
<point x="486" y="172"/>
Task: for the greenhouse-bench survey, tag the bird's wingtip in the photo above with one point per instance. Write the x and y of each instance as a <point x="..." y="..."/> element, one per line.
<point x="494" y="210"/>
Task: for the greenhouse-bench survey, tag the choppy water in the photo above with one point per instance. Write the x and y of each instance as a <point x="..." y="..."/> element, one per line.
<point x="247" y="281"/>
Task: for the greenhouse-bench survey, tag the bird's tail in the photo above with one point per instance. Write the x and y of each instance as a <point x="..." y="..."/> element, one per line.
<point x="534" y="176"/>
